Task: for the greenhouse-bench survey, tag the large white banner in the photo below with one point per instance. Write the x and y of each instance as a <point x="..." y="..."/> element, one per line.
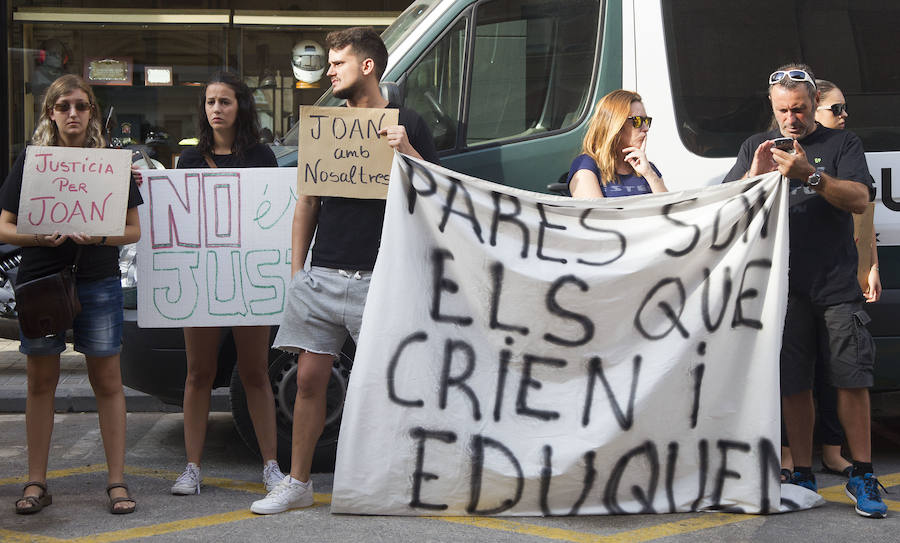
<point x="523" y="354"/>
<point x="215" y="246"/>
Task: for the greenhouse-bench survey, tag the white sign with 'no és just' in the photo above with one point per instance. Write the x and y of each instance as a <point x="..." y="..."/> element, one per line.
<point x="74" y="189"/>
<point x="215" y="246"/>
<point x="524" y="354"/>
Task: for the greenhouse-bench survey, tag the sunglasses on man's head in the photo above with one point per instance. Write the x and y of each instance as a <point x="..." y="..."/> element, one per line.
<point x="837" y="109"/>
<point x="63" y="107"/>
<point x="637" y="120"/>
<point x="794" y="75"/>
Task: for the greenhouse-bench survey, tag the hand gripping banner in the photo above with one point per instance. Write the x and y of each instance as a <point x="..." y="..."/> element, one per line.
<point x="525" y="354"/>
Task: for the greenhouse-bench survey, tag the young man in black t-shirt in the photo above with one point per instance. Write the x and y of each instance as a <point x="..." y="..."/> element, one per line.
<point x="325" y="304"/>
<point x="829" y="180"/>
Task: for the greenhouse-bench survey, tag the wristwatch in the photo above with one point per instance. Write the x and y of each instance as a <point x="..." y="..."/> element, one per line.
<point x="814" y="179"/>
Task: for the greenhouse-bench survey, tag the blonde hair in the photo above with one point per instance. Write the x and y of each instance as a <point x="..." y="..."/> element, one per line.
<point x="47" y="133"/>
<point x="602" y="138"/>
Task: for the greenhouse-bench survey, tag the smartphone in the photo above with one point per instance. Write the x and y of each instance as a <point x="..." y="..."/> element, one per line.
<point x="785" y="144"/>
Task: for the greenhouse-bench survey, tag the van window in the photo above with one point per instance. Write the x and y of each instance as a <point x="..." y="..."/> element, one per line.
<point x="719" y="78"/>
<point x="406" y="22"/>
<point x="532" y="67"/>
<point x="433" y="87"/>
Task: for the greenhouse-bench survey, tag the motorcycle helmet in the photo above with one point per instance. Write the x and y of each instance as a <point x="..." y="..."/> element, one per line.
<point x="308" y="61"/>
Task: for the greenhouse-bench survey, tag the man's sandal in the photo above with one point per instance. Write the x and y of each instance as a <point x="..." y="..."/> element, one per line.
<point x="27" y="505"/>
<point x="113" y="501"/>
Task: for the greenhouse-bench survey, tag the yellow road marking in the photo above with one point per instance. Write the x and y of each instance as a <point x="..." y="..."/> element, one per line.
<point x="182" y="525"/>
<point x="9" y="536"/>
<point x="166" y="528"/>
<point x="700" y="522"/>
<point x="57" y="473"/>
<point x="151" y="530"/>
<point x="892" y="479"/>
<point x="678" y="527"/>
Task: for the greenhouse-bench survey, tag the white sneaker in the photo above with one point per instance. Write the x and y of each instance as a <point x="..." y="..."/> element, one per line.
<point x="272" y="475"/>
<point x="288" y="494"/>
<point x="188" y="482"/>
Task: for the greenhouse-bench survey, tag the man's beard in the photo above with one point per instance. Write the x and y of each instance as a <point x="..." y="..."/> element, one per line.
<point x="347" y="93"/>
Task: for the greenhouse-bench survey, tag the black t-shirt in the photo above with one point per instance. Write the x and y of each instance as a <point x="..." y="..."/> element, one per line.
<point x="257" y="156"/>
<point x="823" y="257"/>
<point x="96" y="261"/>
<point x="348" y="234"/>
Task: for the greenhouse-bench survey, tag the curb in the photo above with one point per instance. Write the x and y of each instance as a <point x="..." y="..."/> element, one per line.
<point x="80" y="399"/>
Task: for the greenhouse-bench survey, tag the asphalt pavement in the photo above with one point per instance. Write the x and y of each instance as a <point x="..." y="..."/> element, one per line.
<point x="231" y="473"/>
<point x="232" y="481"/>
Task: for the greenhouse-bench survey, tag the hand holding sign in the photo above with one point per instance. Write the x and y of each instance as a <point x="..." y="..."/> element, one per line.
<point x="398" y="140"/>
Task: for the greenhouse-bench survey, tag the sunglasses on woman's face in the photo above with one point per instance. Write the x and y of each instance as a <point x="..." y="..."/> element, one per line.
<point x="637" y="121"/>
<point x="837" y="109"/>
<point x="64" y="107"/>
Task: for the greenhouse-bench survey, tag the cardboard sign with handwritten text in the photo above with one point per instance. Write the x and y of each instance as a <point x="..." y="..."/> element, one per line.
<point x="341" y="152"/>
<point x="74" y="189"/>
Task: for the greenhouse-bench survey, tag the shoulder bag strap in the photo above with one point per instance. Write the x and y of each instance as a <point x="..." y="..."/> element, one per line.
<point x="75" y="262"/>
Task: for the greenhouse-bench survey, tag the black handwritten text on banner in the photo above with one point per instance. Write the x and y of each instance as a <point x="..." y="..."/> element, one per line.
<point x="524" y="354"/>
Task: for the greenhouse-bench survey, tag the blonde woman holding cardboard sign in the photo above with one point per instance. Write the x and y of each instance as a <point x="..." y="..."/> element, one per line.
<point x="229" y="138"/>
<point x="69" y="118"/>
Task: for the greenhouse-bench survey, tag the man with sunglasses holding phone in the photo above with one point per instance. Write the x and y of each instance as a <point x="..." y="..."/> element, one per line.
<point x="829" y="180"/>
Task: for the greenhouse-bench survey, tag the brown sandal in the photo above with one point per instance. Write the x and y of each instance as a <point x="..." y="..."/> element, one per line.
<point x="27" y="505"/>
<point x="113" y="501"/>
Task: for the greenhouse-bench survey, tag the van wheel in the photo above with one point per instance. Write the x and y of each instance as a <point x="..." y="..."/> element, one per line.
<point x="283" y="376"/>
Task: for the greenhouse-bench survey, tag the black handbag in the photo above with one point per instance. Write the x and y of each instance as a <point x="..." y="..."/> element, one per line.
<point x="48" y="305"/>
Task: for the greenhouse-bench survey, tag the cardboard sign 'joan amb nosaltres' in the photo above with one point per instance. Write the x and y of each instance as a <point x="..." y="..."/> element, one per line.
<point x="74" y="189"/>
<point x="342" y="153"/>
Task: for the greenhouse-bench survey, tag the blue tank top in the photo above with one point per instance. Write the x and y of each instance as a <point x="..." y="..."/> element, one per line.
<point x="628" y="185"/>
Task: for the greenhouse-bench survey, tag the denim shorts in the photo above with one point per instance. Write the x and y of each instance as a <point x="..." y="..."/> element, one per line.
<point x="97" y="329"/>
<point x="323" y="306"/>
<point x="837" y="333"/>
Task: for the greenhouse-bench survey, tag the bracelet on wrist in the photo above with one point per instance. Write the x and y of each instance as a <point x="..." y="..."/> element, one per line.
<point x="102" y="241"/>
<point x="37" y="240"/>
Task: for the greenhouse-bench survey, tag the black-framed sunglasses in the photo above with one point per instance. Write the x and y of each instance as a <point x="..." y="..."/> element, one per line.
<point x="637" y="121"/>
<point x="836" y="109"/>
<point x="64" y="107"/>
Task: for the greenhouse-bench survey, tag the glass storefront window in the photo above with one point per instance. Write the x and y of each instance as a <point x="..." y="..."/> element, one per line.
<point x="153" y="115"/>
<point x="149" y="64"/>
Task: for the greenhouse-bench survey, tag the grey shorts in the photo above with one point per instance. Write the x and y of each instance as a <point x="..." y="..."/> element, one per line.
<point x="322" y="306"/>
<point x="837" y="331"/>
